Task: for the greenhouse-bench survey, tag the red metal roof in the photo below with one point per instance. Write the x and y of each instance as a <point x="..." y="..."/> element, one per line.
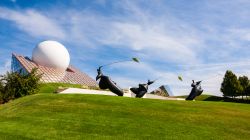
<point x="51" y="75"/>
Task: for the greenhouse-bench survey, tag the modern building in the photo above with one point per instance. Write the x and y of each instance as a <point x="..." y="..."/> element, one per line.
<point x="163" y="90"/>
<point x="52" y="61"/>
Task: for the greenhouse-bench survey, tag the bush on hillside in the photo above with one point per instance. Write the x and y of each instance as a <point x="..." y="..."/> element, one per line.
<point x="16" y="84"/>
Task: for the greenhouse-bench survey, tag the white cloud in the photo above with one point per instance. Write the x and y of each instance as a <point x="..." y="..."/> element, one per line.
<point x="240" y="33"/>
<point x="33" y="23"/>
<point x="5" y="67"/>
<point x="156" y="37"/>
<point x="155" y="42"/>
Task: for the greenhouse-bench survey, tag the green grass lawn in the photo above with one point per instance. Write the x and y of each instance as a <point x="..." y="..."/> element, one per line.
<point x="52" y="87"/>
<point x="53" y="116"/>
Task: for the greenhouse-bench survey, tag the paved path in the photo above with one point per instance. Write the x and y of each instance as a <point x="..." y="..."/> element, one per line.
<point x="102" y="92"/>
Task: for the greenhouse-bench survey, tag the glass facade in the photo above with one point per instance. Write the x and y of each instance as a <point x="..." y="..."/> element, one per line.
<point x="16" y="66"/>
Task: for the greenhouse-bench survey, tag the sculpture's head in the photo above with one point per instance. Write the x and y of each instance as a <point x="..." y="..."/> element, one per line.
<point x="195" y="83"/>
<point x="99" y="73"/>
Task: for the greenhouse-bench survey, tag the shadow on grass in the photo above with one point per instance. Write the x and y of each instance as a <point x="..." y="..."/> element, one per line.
<point x="226" y="99"/>
<point x="219" y="99"/>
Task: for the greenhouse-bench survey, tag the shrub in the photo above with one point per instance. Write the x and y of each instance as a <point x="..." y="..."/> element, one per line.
<point x="16" y="84"/>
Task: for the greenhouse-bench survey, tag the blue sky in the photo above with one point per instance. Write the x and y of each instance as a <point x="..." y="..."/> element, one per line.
<point x="197" y="39"/>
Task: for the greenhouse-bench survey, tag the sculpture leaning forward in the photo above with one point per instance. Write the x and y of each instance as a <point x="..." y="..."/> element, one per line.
<point x="142" y="89"/>
<point x="196" y="90"/>
<point x="106" y="83"/>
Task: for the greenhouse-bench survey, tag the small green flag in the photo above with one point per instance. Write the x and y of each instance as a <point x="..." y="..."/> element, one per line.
<point x="180" y="78"/>
<point x="136" y="60"/>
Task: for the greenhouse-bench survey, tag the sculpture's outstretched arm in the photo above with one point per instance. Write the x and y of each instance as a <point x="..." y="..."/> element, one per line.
<point x="99" y="70"/>
<point x="150" y="82"/>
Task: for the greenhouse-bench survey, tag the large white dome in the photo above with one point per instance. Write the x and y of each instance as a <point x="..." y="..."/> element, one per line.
<point x="51" y="54"/>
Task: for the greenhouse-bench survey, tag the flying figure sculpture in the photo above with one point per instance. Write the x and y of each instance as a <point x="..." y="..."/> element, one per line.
<point x="142" y="89"/>
<point x="106" y="83"/>
<point x="196" y="90"/>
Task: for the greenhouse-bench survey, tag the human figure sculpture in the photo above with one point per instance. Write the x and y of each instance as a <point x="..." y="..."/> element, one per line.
<point x="106" y="83"/>
<point x="142" y="89"/>
<point x="196" y="90"/>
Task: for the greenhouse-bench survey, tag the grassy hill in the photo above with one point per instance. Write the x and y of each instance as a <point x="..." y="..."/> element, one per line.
<point x="53" y="87"/>
<point x="53" y="116"/>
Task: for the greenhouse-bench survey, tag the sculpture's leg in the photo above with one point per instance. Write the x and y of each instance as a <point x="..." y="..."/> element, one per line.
<point x="192" y="94"/>
<point x="102" y="83"/>
<point x="116" y="90"/>
<point x="141" y="94"/>
<point x="112" y="86"/>
<point x="135" y="90"/>
<point x="199" y="92"/>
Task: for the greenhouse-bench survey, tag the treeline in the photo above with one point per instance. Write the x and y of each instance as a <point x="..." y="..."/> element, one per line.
<point x="15" y="84"/>
<point x="235" y="88"/>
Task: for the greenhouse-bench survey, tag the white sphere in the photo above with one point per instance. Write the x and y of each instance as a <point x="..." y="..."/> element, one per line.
<point x="51" y="54"/>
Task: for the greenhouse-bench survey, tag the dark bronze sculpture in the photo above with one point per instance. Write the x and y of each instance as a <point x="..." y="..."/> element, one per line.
<point x="196" y="90"/>
<point x="142" y="89"/>
<point x="106" y="83"/>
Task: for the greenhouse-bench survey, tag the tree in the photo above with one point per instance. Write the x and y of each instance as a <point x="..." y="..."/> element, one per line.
<point x="244" y="82"/>
<point x="230" y="85"/>
<point x="16" y="84"/>
<point x="248" y="91"/>
<point x="1" y="92"/>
